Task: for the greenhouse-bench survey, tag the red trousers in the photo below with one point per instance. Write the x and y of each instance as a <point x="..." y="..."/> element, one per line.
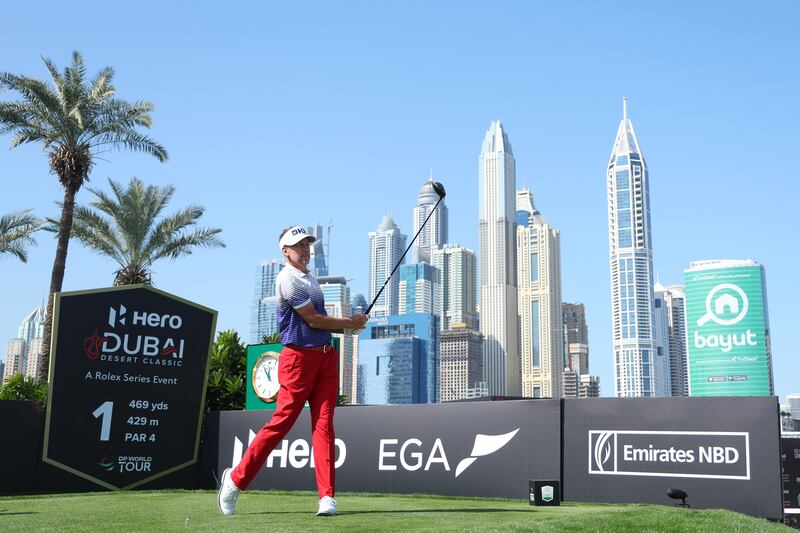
<point x="305" y="375"/>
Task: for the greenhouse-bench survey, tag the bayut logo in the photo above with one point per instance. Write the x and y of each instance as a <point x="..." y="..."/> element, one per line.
<point x="726" y="305"/>
<point x="697" y="454"/>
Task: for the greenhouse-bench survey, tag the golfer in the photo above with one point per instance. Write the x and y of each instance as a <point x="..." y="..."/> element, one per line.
<point x="307" y="371"/>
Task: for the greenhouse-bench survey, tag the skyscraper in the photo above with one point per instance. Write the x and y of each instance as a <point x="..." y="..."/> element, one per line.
<point x="675" y="300"/>
<point x="498" y="263"/>
<point x="727" y="323"/>
<point x="263" y="316"/>
<point x="15" y="358"/>
<point x="317" y="264"/>
<point x="418" y="288"/>
<point x="434" y="233"/>
<point x="337" y="303"/>
<point x="25" y="351"/>
<point x="461" y="367"/>
<point x="457" y="297"/>
<point x="386" y="246"/>
<point x="661" y="354"/>
<point x="631" y="261"/>
<point x="539" y="300"/>
<point x="576" y="338"/>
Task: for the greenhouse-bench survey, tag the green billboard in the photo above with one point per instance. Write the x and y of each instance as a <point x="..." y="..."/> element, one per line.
<point x="728" y="348"/>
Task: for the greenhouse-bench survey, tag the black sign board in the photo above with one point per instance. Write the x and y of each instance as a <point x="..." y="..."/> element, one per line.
<point x="721" y="451"/>
<point x="128" y="371"/>
<point x="790" y="468"/>
<point x="462" y="449"/>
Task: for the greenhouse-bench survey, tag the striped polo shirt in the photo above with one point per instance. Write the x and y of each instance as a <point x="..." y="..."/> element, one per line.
<point x="295" y="289"/>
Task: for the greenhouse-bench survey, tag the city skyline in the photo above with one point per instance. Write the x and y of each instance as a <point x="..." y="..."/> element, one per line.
<point x="707" y="103"/>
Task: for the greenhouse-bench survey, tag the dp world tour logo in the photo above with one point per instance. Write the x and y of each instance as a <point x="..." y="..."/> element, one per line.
<point x="726" y="304"/>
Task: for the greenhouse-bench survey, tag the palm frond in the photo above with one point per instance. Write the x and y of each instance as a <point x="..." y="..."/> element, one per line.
<point x="16" y="233"/>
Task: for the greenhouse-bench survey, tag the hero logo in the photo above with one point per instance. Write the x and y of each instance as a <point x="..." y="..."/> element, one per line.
<point x="695" y="454"/>
<point x="143" y="319"/>
<point x="128" y="347"/>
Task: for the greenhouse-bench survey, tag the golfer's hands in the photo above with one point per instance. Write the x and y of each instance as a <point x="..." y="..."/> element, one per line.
<point x="358" y="322"/>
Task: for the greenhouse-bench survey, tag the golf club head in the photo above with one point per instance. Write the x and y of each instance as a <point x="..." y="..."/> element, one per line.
<point x="439" y="188"/>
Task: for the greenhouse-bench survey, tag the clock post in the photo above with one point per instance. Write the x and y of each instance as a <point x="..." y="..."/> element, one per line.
<point x="262" y="376"/>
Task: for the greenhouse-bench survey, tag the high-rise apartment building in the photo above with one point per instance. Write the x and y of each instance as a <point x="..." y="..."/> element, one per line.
<point x="456" y="301"/>
<point x="498" y="263"/>
<point x="675" y="300"/>
<point x="15" y="358"/>
<point x="317" y="263"/>
<point x="539" y="301"/>
<point x="358" y="303"/>
<point x="589" y="386"/>
<point x="631" y="261"/>
<point x="727" y="324"/>
<point x="337" y="303"/>
<point x="662" y="356"/>
<point x="263" y="315"/>
<point x="386" y="247"/>
<point x="575" y="328"/>
<point x="434" y="233"/>
<point x="461" y="367"/>
<point x="25" y="352"/>
<point x="419" y="285"/>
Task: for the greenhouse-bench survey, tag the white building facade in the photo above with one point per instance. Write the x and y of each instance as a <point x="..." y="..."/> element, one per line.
<point x="498" y="263"/>
<point x="631" y="262"/>
<point x="539" y="301"/>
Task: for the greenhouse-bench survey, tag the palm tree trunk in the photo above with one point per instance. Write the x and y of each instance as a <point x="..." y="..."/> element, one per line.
<point x="57" y="277"/>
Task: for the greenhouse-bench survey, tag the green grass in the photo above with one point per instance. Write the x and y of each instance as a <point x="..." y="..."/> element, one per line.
<point x="294" y="511"/>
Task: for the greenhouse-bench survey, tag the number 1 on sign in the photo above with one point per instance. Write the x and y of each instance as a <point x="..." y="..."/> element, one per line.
<point x="104" y="410"/>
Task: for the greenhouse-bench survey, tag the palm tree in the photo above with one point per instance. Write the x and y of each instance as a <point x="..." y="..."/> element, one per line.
<point x="16" y="232"/>
<point x="75" y="120"/>
<point x="132" y="236"/>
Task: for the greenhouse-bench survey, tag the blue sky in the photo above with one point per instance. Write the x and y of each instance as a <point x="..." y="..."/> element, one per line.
<point x="278" y="113"/>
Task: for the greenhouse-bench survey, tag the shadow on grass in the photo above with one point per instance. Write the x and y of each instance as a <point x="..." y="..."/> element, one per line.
<point x="346" y="513"/>
<point x="3" y="512"/>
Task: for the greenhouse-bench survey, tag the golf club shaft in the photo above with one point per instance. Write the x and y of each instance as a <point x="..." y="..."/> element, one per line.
<point x="401" y="258"/>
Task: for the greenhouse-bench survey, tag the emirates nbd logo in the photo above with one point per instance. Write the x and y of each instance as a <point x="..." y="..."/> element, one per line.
<point x="696" y="454"/>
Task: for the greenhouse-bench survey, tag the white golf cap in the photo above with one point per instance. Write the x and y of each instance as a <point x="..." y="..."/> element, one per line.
<point x="294" y="235"/>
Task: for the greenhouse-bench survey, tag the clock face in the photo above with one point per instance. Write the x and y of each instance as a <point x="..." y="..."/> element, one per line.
<point x="265" y="377"/>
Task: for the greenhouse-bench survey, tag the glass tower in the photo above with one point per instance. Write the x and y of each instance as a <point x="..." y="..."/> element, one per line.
<point x="263" y="316"/>
<point x="434" y="233"/>
<point x="631" y="261"/>
<point x="398" y="360"/>
<point x="419" y="285"/>
<point x="498" y="263"/>
<point x="386" y="246"/>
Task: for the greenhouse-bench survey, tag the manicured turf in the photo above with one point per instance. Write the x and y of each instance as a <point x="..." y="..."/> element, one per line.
<point x="294" y="511"/>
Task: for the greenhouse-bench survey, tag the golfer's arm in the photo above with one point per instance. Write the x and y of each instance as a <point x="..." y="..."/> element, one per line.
<point x="319" y="321"/>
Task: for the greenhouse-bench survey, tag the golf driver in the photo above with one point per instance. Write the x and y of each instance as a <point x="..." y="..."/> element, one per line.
<point x="438" y="188"/>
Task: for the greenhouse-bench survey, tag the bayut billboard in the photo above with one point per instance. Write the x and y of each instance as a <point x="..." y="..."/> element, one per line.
<point x="726" y="332"/>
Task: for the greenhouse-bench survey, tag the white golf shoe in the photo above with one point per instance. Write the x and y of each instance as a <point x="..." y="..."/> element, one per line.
<point x="327" y="506"/>
<point x="228" y="492"/>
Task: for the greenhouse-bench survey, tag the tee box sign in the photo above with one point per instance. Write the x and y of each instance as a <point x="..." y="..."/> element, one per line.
<point x="128" y="374"/>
